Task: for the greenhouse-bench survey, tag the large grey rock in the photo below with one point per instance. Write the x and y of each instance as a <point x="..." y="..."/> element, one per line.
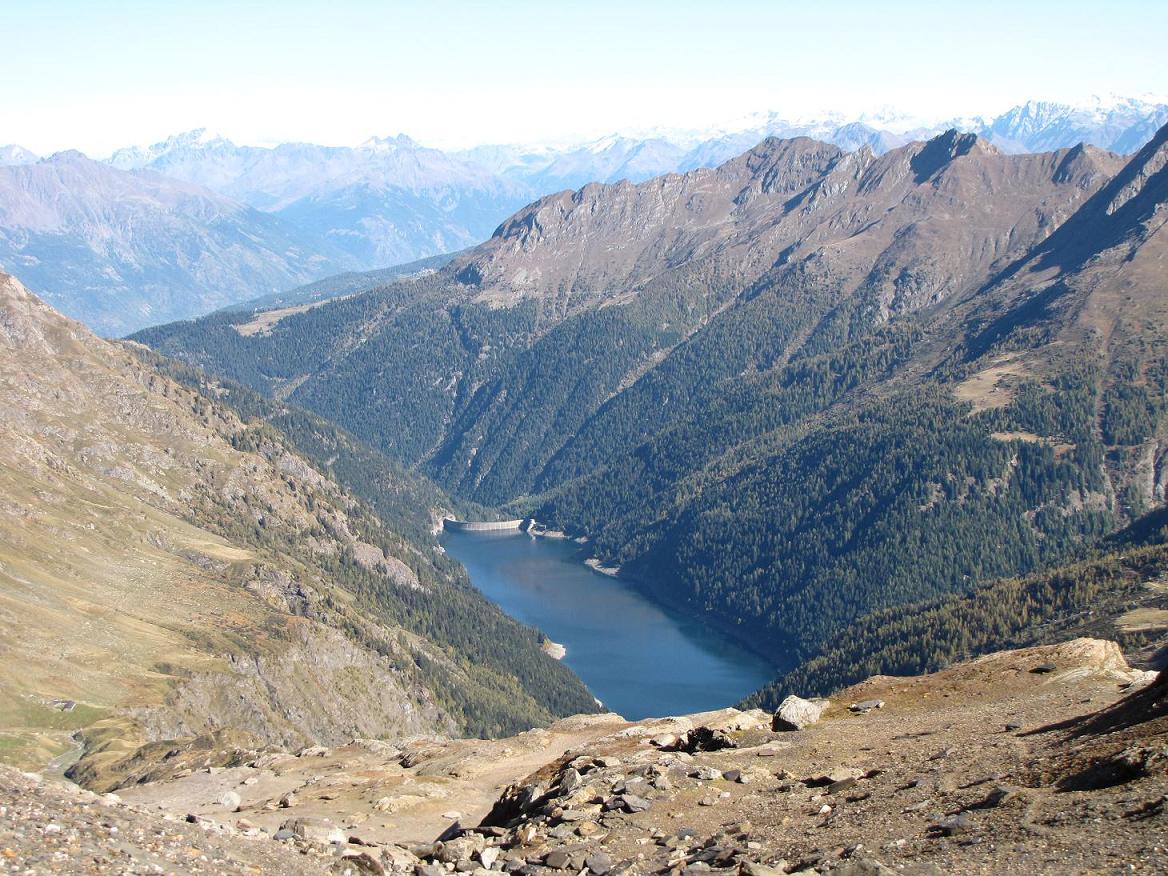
<point x="599" y="863"/>
<point x="315" y="830"/>
<point x="557" y="859"/>
<point x="462" y="848"/>
<point x="861" y="867"/>
<point x="360" y="861"/>
<point x="488" y="856"/>
<point x="633" y="803"/>
<point x="569" y="781"/>
<point x="795" y="713"/>
<point x="953" y="825"/>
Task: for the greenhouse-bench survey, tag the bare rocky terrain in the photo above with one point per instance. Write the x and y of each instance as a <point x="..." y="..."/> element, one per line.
<point x="1043" y="760"/>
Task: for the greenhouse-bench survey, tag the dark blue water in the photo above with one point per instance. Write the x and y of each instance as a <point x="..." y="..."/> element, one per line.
<point x="637" y="658"/>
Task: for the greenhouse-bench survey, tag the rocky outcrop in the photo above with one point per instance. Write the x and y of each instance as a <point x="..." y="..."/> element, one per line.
<point x="320" y="688"/>
<point x="796" y="713"/>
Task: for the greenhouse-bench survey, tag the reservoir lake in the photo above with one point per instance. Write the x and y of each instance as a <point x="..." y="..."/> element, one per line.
<point x="638" y="658"/>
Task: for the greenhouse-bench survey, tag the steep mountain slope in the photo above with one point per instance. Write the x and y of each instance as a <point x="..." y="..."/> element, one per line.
<point x="171" y="570"/>
<point x="1119" y="594"/>
<point x="122" y="250"/>
<point x="894" y="495"/>
<point x="789" y="218"/>
<point x="789" y="392"/>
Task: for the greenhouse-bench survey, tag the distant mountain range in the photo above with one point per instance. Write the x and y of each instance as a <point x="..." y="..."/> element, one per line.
<point x="121" y="250"/>
<point x="126" y="249"/>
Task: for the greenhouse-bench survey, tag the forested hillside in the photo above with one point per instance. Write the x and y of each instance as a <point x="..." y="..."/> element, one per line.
<point x="1119" y="594"/>
<point x="796" y="391"/>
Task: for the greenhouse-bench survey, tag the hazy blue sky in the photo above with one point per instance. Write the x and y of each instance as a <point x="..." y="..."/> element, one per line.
<point x="95" y="75"/>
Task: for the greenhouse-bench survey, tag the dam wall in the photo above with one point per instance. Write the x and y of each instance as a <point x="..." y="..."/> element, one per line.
<point x="452" y="525"/>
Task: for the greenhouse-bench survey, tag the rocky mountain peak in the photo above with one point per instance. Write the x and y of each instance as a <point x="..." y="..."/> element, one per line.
<point x="389" y="144"/>
<point x="14" y="154"/>
<point x="939" y="152"/>
<point x="785" y="166"/>
<point x="1145" y="177"/>
<point x="68" y="156"/>
<point x="26" y="321"/>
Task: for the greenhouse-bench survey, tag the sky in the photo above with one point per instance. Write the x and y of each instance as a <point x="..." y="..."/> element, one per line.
<point x="96" y="76"/>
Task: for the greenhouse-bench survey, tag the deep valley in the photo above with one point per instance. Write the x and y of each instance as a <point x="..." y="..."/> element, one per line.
<point x="627" y="482"/>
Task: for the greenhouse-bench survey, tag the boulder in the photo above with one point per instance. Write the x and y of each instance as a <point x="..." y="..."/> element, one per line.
<point x="861" y="867"/>
<point x="753" y="868"/>
<point x="598" y="863"/>
<point x="569" y="781"/>
<point x="488" y="856"/>
<point x="362" y="862"/>
<point x="557" y="859"/>
<point x="836" y="775"/>
<point x="705" y="773"/>
<point x="462" y="848"/>
<point x="633" y="803"/>
<point x="314" y="830"/>
<point x="953" y="825"/>
<point x="705" y="739"/>
<point x="796" y="713"/>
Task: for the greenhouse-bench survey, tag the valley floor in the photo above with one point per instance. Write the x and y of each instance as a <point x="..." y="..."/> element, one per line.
<point x="985" y="767"/>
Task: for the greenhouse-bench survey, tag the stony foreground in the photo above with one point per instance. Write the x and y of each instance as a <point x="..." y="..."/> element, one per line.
<point x="1046" y="760"/>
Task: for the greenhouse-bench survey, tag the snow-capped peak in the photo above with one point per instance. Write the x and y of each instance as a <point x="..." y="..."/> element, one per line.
<point x="12" y="155"/>
<point x="388" y="144"/>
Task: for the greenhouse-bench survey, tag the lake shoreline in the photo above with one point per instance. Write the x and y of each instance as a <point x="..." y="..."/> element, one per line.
<point x="639" y="654"/>
<point x="735" y="633"/>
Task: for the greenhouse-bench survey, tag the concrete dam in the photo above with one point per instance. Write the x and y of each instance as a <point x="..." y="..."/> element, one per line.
<point x="449" y="523"/>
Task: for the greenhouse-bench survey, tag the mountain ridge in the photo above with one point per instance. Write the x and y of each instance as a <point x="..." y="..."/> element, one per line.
<point x="390" y="200"/>
<point x="751" y="386"/>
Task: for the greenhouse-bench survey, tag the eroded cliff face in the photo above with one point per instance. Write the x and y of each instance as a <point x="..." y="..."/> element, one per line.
<point x="321" y="688"/>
